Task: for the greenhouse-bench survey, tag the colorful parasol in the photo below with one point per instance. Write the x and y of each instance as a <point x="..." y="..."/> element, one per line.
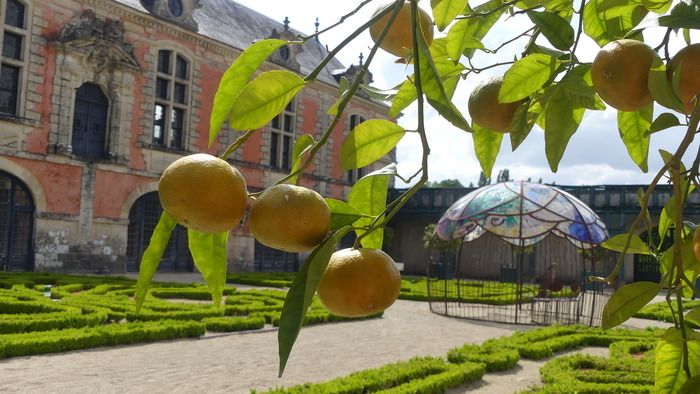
<point x="522" y="213"/>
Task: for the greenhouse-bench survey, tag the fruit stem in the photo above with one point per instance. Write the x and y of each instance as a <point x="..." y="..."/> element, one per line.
<point x="678" y="261"/>
<point x="394" y="207"/>
<point x="578" y="32"/>
<point x="340" y="22"/>
<point x="644" y="202"/>
<point x="236" y="144"/>
<point x="331" y="55"/>
<point x="350" y="92"/>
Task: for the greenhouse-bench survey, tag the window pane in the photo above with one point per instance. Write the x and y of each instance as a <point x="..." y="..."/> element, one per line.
<point x="274" y="143"/>
<point x="158" y="124"/>
<point x="9" y="82"/>
<point x="288" y="123"/>
<point x="276" y="122"/>
<point x="180" y="93"/>
<point x="164" y="62"/>
<point x="351" y="176"/>
<point x="287" y="152"/>
<point x="162" y="88"/>
<point x="290" y="106"/>
<point x="176" y="124"/>
<point x="14" y="14"/>
<point x="181" y="68"/>
<point x="12" y="46"/>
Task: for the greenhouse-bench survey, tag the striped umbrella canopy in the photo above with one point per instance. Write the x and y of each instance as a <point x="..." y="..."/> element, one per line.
<point x="522" y="213"/>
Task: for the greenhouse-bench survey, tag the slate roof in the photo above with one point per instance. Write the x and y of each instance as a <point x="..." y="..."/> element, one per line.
<point x="238" y="26"/>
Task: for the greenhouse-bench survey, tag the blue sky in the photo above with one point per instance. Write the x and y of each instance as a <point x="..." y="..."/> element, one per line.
<point x="595" y="154"/>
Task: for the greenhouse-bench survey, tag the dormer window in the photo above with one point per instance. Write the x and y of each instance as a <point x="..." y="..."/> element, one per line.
<point x="175" y="7"/>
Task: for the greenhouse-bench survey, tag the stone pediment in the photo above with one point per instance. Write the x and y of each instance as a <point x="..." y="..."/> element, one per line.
<point x="102" y="41"/>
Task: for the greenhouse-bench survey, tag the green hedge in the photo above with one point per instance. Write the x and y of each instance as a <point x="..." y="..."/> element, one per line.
<point x="661" y="312"/>
<point x="393" y="376"/>
<point x="197" y="293"/>
<point x="439" y="383"/>
<point x="231" y="324"/>
<point x="495" y="359"/>
<point x="110" y="335"/>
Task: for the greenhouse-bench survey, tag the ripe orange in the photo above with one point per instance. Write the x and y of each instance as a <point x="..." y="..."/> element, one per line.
<point x="204" y="193"/>
<point x="290" y="218"/>
<point x="688" y="59"/>
<point x="620" y="74"/>
<point x="399" y="39"/>
<point x="359" y="282"/>
<point x="486" y="111"/>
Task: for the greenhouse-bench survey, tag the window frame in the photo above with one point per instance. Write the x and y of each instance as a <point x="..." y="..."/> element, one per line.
<point x="172" y="81"/>
<point x="355" y="174"/>
<point x="278" y="133"/>
<point x="19" y="64"/>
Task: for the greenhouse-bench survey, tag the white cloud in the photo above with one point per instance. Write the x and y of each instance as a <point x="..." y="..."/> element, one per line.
<point x="595" y="153"/>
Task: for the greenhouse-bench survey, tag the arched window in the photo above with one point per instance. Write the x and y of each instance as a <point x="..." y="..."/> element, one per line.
<point x="173" y="86"/>
<point x="90" y="122"/>
<point x="143" y="217"/>
<point x="12" y="61"/>
<point x="16" y="225"/>
<point x="357" y="173"/>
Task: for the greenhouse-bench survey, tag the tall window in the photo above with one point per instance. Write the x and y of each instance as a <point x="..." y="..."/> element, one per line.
<point x="281" y="136"/>
<point x="173" y="83"/>
<point x="357" y="173"/>
<point x="90" y="122"/>
<point x="14" y="35"/>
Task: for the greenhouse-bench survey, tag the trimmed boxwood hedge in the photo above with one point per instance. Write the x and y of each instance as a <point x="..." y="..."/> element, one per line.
<point x="110" y="335"/>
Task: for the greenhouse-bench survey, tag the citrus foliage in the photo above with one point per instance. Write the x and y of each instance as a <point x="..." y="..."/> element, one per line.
<point x="546" y="87"/>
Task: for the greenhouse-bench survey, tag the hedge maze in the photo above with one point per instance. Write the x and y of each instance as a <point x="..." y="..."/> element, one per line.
<point x="84" y="312"/>
<point x="628" y="369"/>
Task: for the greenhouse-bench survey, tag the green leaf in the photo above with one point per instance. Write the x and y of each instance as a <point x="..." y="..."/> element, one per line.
<point x="694" y="316"/>
<point x="210" y="253"/>
<point x="661" y="88"/>
<point x="664" y="121"/>
<point x="404" y="97"/>
<point x="657" y="6"/>
<point x="235" y="78"/>
<point x="627" y="301"/>
<point x="368" y="196"/>
<point x="521" y="125"/>
<point x="301" y="146"/>
<point x="560" y="121"/>
<point x="301" y="293"/>
<point x="618" y="242"/>
<point x="152" y="255"/>
<point x="465" y="36"/>
<point x="526" y="76"/>
<point x="445" y="11"/>
<point x="593" y="24"/>
<point x="369" y="141"/>
<point x="342" y="213"/>
<point x="379" y="94"/>
<point x="578" y="88"/>
<point x="669" y="375"/>
<point x="634" y="131"/>
<point x="683" y="16"/>
<point x="557" y="29"/>
<point x="343" y="88"/>
<point x="691" y="386"/>
<point x="434" y="89"/>
<point x="264" y="98"/>
<point x="665" y="223"/>
<point x="487" y="144"/>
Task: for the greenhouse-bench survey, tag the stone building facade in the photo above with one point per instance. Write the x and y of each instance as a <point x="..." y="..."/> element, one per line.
<point x="97" y="97"/>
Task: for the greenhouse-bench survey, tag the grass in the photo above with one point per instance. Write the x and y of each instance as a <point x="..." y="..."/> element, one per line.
<point x="89" y="311"/>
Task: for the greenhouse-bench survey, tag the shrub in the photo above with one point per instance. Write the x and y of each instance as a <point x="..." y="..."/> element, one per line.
<point x="116" y="334"/>
<point x="231" y="324"/>
<point x="495" y="359"/>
